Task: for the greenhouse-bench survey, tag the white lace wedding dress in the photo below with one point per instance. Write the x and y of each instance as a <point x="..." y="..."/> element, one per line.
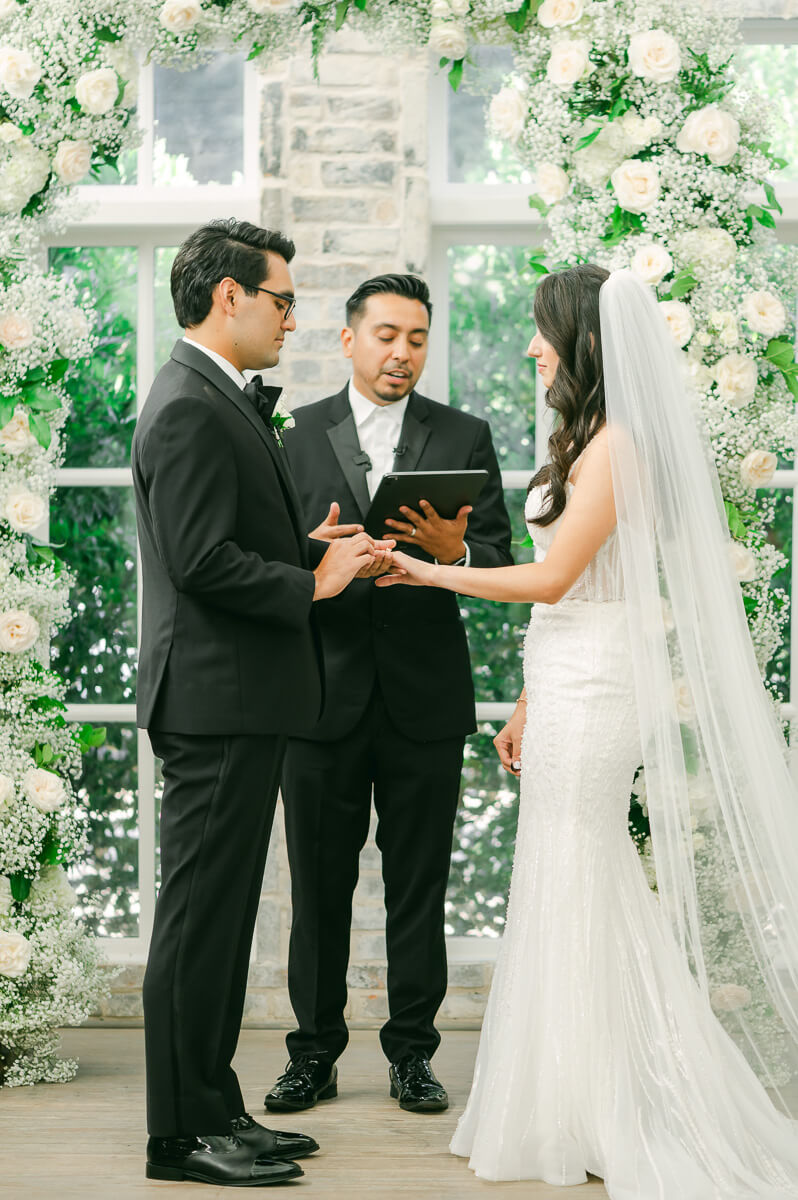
<point x="598" y="1053"/>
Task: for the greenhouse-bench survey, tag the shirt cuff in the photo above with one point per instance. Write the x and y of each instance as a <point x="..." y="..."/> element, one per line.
<point x="465" y="561"/>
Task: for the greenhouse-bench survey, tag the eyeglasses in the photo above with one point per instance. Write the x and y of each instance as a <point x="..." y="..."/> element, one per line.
<point x="290" y="301"/>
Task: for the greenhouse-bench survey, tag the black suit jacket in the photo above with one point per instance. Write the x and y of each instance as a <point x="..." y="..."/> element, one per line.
<point x="228" y="641"/>
<point x="410" y="639"/>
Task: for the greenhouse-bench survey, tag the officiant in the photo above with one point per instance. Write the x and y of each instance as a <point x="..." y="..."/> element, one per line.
<point x="400" y="701"/>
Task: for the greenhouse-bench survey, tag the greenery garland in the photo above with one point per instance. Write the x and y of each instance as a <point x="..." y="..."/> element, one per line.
<point x="645" y="156"/>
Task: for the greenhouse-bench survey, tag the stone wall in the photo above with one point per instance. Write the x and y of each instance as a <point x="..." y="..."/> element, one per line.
<point x="344" y="161"/>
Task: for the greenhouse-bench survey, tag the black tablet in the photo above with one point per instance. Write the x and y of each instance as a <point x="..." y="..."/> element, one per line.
<point x="446" y="491"/>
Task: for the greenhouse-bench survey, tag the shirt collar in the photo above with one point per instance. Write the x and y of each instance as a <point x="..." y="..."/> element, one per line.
<point x="363" y="408"/>
<point x="225" y="364"/>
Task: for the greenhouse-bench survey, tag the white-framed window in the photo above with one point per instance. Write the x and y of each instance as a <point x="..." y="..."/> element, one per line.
<point x="482" y="227"/>
<point x="199" y="159"/>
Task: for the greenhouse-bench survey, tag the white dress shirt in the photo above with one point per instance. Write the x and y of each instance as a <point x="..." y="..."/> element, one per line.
<point x="379" y="431"/>
<point x="228" y="368"/>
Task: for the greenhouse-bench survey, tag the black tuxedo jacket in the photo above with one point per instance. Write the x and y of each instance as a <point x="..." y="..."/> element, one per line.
<point x="410" y="639"/>
<point x="228" y="643"/>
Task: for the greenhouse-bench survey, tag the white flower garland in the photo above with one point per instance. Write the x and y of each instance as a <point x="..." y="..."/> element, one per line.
<point x="642" y="153"/>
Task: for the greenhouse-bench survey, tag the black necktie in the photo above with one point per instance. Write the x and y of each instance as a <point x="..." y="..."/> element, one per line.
<point x="262" y="398"/>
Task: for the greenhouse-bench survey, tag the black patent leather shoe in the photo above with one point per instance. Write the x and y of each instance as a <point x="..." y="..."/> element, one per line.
<point x="272" y="1142"/>
<point x="221" y="1159"/>
<point x="305" y="1080"/>
<point x="414" y="1085"/>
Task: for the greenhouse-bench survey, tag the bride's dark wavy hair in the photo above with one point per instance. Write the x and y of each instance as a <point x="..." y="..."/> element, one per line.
<point x="566" y="315"/>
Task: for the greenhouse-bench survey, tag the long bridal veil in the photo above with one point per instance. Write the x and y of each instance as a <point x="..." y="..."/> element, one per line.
<point x="722" y="804"/>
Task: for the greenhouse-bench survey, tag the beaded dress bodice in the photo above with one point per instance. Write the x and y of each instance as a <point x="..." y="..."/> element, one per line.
<point x="602" y="579"/>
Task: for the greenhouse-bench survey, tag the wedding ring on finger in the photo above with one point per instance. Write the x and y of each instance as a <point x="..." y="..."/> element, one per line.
<point x="412" y="531"/>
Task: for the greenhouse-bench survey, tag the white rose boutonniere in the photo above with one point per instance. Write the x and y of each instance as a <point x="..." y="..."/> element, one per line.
<point x="758" y="468"/>
<point x="764" y="313"/>
<point x="636" y="185"/>
<point x="569" y="62"/>
<point x="654" y="55"/>
<point x="44" y="789"/>
<point x="18" y="631"/>
<point x="736" y="377"/>
<point x="15" y="952"/>
<point x="282" y="418"/>
<point x="712" y="132"/>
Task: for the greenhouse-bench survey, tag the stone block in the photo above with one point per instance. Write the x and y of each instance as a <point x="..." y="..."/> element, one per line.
<point x="266" y="975"/>
<point x="357" y="70"/>
<point x="368" y="947"/>
<point x="370" y="887"/>
<point x="415" y="225"/>
<point x="368" y="916"/>
<point x="319" y="276"/>
<point x="368" y="1006"/>
<point x="271" y="147"/>
<point x="362" y="106"/>
<point x="370" y="858"/>
<point x="125" y="978"/>
<point x="342" y="139"/>
<point x="362" y="241"/>
<point x="258" y="1005"/>
<point x="303" y="171"/>
<point x="414" y="134"/>
<point x="267" y="931"/>
<point x="385" y="211"/>
<point x="306" y="370"/>
<point x="307" y="105"/>
<point x="468" y="975"/>
<point x="323" y="208"/>
<point x="316" y="340"/>
<point x="368" y="173"/>
<point x="367" y="976"/>
<point x="122" y="1004"/>
<point x="272" y="207"/>
<point x="464" y="1006"/>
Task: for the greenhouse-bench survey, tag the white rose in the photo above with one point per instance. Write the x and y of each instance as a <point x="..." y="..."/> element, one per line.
<point x="560" y="12"/>
<point x="16" y="332"/>
<point x="9" y="132"/>
<point x="23" y="510"/>
<point x="19" y="74"/>
<point x="712" y="132"/>
<point x="439" y="10"/>
<point x="764" y="313"/>
<point x="736" y="377"/>
<point x="52" y="890"/>
<point x="508" y="113"/>
<point x="7" y="7"/>
<point x="44" y="789"/>
<point x="448" y="39"/>
<point x="684" y="701"/>
<point x="266" y="6"/>
<point x="97" y="91"/>
<point x="178" y="16"/>
<point x="72" y="160"/>
<point x="282" y="410"/>
<point x="569" y="61"/>
<point x="636" y="185"/>
<point x="640" y="131"/>
<point x="6" y="898"/>
<point x="22" y="175"/>
<point x="6" y="790"/>
<point x="654" y="55"/>
<point x="743" y="562"/>
<point x="551" y="183"/>
<point x="652" y="263"/>
<point x="708" y="247"/>
<point x="15" y="437"/>
<point x="729" y="996"/>
<point x="18" y="631"/>
<point x="680" y="320"/>
<point x="460" y="8"/>
<point x="758" y="468"/>
<point x="15" y="952"/>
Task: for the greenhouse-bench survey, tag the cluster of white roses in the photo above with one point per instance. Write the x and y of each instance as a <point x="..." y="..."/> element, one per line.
<point x="646" y="157"/>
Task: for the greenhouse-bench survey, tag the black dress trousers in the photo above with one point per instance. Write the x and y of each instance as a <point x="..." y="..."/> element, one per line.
<point x="327" y="790"/>
<point x="216" y="817"/>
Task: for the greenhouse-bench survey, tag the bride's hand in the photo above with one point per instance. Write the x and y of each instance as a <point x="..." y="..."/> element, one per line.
<point x="406" y="569"/>
<point x="508" y="741"/>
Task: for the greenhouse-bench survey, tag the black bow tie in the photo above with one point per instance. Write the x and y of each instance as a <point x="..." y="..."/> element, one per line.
<point x="262" y="398"/>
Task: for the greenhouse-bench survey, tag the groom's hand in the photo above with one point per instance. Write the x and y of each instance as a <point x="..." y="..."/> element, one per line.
<point x="441" y="538"/>
<point x="344" y="559"/>
<point x="329" y="529"/>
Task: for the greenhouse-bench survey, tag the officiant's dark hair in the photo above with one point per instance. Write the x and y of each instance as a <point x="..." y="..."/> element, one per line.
<point x="215" y="251"/>
<point x="567" y="316"/>
<point x="409" y="286"/>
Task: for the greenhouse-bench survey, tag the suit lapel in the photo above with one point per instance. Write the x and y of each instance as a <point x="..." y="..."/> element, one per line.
<point x="415" y="433"/>
<point x="346" y="448"/>
<point x="186" y="354"/>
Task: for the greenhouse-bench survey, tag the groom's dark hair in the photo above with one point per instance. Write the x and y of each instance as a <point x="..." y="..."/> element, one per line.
<point x="409" y="286"/>
<point x="215" y="251"/>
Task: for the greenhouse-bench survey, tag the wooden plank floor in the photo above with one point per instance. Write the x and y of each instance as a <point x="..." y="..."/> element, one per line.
<point x="84" y="1139"/>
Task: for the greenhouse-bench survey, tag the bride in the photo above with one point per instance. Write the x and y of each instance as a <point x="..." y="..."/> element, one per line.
<point x="628" y="1034"/>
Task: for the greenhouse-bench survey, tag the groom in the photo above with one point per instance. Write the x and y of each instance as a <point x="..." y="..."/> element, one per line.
<point x="229" y="665"/>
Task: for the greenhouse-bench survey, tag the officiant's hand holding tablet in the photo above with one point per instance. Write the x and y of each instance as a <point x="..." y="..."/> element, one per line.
<point x="428" y="509"/>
